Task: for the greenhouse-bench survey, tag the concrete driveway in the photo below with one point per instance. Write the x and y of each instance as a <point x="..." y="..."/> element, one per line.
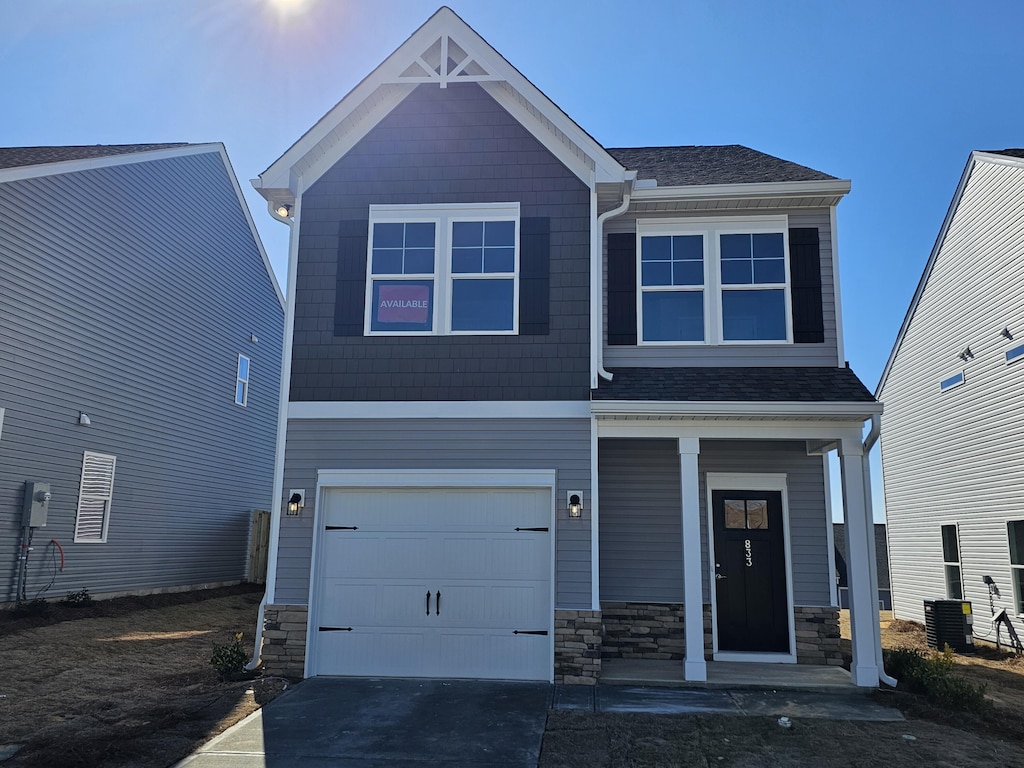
<point x="363" y="722"/>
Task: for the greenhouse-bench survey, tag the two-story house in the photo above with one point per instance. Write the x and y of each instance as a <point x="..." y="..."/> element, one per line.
<point x="551" y="406"/>
<point x="141" y="331"/>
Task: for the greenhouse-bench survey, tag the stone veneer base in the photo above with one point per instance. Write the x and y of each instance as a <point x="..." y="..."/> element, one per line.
<point x="577" y="647"/>
<point x="284" y="640"/>
<point x="817" y="635"/>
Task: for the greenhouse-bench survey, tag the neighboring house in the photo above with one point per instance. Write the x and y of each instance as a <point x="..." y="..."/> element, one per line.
<point x="881" y="567"/>
<point x="551" y="405"/>
<point x="140" y="331"/>
<point x="953" y="453"/>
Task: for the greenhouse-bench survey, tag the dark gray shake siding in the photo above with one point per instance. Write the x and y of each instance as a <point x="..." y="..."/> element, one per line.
<point x="559" y="444"/>
<point x="639" y="480"/>
<point x="127" y="293"/>
<point x="455" y="145"/>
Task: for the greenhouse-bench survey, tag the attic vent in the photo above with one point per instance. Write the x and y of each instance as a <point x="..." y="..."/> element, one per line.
<point x="445" y="61"/>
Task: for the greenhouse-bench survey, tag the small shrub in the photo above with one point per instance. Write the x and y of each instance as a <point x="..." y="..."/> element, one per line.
<point x="229" y="660"/>
<point x="934" y="677"/>
<point x="81" y="597"/>
<point x="902" y="625"/>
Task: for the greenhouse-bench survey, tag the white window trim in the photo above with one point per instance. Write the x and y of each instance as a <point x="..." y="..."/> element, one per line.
<point x="942" y="382"/>
<point x="1017" y="597"/>
<point x="443" y="216"/>
<point x="710" y="229"/>
<point x="958" y="563"/>
<point x="240" y="380"/>
<point x="107" y="498"/>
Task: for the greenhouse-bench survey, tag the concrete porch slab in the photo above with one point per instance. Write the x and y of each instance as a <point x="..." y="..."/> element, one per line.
<point x="729" y="674"/>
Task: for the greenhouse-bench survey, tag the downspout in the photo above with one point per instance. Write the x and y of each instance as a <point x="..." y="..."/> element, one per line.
<point x="597" y="278"/>
<point x="869" y="442"/>
<point x="282" y="425"/>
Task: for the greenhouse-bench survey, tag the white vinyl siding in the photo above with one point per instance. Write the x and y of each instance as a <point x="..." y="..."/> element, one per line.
<point x="955" y="456"/>
<point x="96" y="491"/>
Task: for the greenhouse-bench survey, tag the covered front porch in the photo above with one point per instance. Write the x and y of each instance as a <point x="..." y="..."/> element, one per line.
<point x="746" y="519"/>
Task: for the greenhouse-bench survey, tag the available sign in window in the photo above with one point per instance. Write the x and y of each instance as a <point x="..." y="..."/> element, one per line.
<point x="405" y="305"/>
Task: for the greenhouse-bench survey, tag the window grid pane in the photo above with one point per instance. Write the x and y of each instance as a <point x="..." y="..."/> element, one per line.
<point x="403" y="248"/>
<point x="676" y="260"/>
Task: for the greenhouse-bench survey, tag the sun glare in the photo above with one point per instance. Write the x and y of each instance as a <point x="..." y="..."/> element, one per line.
<point x="289" y="9"/>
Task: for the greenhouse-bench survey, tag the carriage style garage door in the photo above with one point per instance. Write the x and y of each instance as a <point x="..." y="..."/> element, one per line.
<point x="434" y="582"/>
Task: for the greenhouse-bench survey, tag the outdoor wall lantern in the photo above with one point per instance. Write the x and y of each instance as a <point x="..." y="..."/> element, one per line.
<point x="295" y="501"/>
<point x="575" y="503"/>
<point x="284" y="210"/>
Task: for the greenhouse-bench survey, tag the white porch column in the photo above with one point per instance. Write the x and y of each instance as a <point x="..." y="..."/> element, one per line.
<point x="859" y="541"/>
<point x="694" y="667"/>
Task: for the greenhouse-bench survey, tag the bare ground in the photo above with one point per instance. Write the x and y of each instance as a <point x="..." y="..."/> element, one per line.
<point x="930" y="737"/>
<point x="124" y="682"/>
<point x="128" y="683"/>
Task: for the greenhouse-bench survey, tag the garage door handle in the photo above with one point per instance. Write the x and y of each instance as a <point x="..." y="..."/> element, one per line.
<point x="428" y="602"/>
<point x="342" y="528"/>
<point x="334" y="629"/>
<point x="531" y="529"/>
<point x="530" y="632"/>
<point x="437" y="604"/>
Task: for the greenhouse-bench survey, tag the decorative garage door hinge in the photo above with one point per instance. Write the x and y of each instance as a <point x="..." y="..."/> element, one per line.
<point x="530" y="632"/>
<point x="334" y="629"/>
<point x="531" y="529"/>
<point x="342" y="528"/>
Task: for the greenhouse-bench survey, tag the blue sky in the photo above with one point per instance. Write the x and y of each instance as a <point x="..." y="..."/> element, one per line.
<point x="892" y="95"/>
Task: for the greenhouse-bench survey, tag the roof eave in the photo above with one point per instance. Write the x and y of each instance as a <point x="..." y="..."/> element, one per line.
<point x="819" y="188"/>
<point x="18" y="172"/>
<point x="818" y="409"/>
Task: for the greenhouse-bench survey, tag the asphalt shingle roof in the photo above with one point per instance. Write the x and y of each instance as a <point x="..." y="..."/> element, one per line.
<point x="13" y="157"/>
<point x="696" y="166"/>
<point x="1007" y="152"/>
<point x="734" y="384"/>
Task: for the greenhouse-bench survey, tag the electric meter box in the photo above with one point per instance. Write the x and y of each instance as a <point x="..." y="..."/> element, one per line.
<point x="37" y="504"/>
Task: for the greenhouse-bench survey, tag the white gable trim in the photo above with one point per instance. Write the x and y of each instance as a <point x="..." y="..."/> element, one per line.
<point x="22" y="172"/>
<point x="393" y="79"/>
<point x="954" y="205"/>
<point x="71" y="166"/>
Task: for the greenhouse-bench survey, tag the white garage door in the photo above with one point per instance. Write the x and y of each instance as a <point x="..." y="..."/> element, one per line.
<point x="434" y="582"/>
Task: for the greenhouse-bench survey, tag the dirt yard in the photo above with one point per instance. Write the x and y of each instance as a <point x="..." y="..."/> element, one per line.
<point x="129" y="683"/>
<point x="930" y="737"/>
<point x="124" y="682"/>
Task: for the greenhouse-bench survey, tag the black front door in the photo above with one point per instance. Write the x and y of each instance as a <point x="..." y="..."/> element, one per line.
<point x="750" y="571"/>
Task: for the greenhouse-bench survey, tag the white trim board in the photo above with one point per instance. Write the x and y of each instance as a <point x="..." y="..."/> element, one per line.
<point x="734" y="481"/>
<point x="454" y="409"/>
<point x="736" y="408"/>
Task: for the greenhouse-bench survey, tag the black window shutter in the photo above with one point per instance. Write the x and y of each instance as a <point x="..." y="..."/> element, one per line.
<point x="350" y="298"/>
<point x="534" y="275"/>
<point x="622" y="288"/>
<point x="805" y="274"/>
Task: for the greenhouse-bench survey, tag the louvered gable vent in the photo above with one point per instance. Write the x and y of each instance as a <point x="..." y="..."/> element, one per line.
<point x="95" y="493"/>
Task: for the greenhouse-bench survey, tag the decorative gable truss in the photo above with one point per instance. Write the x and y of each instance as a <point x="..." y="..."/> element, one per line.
<point x="445" y="61"/>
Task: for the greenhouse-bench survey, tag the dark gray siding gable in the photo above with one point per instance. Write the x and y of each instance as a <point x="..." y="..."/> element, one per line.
<point x="119" y="300"/>
<point x="455" y="145"/>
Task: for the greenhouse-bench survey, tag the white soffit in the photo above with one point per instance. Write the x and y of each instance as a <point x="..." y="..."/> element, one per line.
<point x="443" y="39"/>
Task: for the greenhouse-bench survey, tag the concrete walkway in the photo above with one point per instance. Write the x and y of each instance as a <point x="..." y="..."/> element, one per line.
<point x="674" y="701"/>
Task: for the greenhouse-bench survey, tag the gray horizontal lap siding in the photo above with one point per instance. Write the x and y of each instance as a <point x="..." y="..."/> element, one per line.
<point x="824" y="354"/>
<point x="559" y="444"/>
<point x="955" y="456"/>
<point x="639" y="540"/>
<point x="118" y="301"/>
<point x="455" y="145"/>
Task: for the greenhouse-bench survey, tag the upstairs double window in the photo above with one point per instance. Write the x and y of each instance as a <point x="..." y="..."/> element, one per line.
<point x="713" y="282"/>
<point x="439" y="269"/>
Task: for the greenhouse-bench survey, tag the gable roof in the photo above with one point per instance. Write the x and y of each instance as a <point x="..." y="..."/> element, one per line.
<point x="14" y="157"/>
<point x="18" y="163"/>
<point x="702" y="165"/>
<point x="1005" y="157"/>
<point x="444" y="50"/>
